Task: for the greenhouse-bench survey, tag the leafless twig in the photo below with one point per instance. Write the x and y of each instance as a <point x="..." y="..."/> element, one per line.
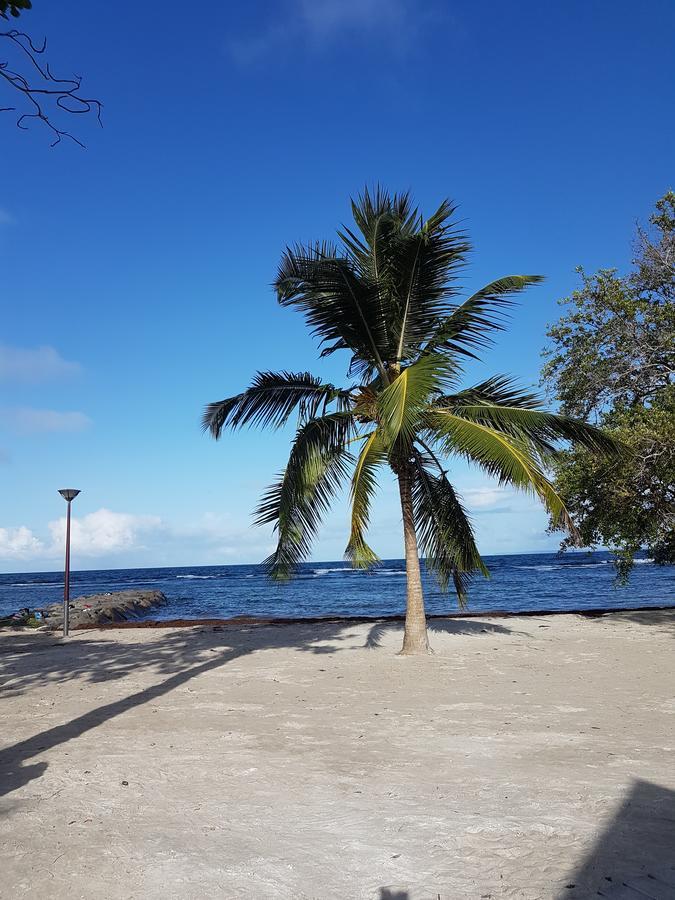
<point x="43" y="93"/>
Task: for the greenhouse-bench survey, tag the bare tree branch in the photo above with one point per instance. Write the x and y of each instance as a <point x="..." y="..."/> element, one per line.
<point x="43" y="93"/>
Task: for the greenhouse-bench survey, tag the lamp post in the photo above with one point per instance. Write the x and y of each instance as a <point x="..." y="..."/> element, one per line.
<point x="68" y="495"/>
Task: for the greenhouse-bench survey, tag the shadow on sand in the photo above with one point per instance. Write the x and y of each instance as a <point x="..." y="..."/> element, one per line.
<point x="663" y="620"/>
<point x="30" y="660"/>
<point x="634" y="857"/>
<point x="440" y="626"/>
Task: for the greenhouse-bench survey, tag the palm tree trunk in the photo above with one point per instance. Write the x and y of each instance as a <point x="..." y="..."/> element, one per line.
<point x="415" y="640"/>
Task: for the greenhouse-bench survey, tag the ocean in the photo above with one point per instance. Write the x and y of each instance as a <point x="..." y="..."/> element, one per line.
<point x="523" y="582"/>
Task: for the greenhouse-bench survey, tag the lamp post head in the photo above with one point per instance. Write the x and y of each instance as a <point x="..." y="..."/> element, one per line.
<point x="69" y="493"/>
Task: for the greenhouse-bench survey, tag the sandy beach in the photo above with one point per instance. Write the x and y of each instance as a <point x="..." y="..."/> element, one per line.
<point x="529" y="757"/>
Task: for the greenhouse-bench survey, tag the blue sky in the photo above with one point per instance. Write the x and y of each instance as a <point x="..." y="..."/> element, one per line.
<point x="135" y="275"/>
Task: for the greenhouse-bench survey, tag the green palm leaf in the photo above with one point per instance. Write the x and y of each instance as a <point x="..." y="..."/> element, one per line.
<point x="470" y="326"/>
<point x="444" y="530"/>
<point x="511" y="460"/>
<point x="402" y="403"/>
<point x="296" y="503"/>
<point x="544" y="429"/>
<point x="426" y="266"/>
<point x="380" y="218"/>
<point x="340" y="307"/>
<point x="369" y="211"/>
<point x="271" y="400"/>
<point x="364" y="485"/>
<point x="500" y="390"/>
<point x="411" y="261"/>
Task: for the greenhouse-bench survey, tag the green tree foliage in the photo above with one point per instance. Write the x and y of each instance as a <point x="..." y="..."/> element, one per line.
<point x="387" y="294"/>
<point x="13" y="7"/>
<point x="612" y="357"/>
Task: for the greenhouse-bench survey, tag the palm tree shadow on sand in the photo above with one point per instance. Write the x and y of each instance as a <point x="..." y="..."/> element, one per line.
<point x="632" y="858"/>
<point x="30" y="660"/>
<point x="440" y="626"/>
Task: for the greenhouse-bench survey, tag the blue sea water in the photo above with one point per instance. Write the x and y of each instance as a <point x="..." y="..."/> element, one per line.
<point x="524" y="582"/>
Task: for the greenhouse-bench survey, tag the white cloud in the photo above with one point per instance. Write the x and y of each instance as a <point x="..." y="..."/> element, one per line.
<point x="221" y="538"/>
<point x="107" y="538"/>
<point x="100" y="533"/>
<point x="19" y="543"/>
<point x="483" y="497"/>
<point x="5" y="217"/>
<point x="103" y="532"/>
<point x="106" y="534"/>
<point x="326" y="17"/>
<point x="318" y="22"/>
<point x="31" y="365"/>
<point x="26" y="420"/>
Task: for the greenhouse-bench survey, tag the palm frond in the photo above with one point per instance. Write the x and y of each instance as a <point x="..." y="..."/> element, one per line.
<point x="501" y="390"/>
<point x="511" y="460"/>
<point x="544" y="429"/>
<point x="340" y="307"/>
<point x="393" y="280"/>
<point x="402" y="402"/>
<point x="381" y="219"/>
<point x="444" y="531"/>
<point x="364" y="485"/>
<point x="470" y="326"/>
<point x="410" y="262"/>
<point x="295" y="504"/>
<point x="368" y="210"/>
<point x="271" y="400"/>
<point x="425" y="267"/>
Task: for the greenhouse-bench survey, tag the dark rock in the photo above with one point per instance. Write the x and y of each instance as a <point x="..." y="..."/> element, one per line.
<point x="102" y="609"/>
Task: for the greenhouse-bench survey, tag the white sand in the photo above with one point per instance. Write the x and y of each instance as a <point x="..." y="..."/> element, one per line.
<point x="527" y="754"/>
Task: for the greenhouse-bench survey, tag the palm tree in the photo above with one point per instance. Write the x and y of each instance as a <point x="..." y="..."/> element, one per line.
<point x="387" y="294"/>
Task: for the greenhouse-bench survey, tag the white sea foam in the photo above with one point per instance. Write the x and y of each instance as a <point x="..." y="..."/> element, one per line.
<point x="349" y="571"/>
<point x="565" y="565"/>
<point x="200" y="577"/>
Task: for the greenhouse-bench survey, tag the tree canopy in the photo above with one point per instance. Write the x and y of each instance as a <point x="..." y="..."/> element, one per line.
<point x="612" y="357"/>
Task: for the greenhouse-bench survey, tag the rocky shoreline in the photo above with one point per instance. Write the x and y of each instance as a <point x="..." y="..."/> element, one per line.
<point x="97" y="609"/>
